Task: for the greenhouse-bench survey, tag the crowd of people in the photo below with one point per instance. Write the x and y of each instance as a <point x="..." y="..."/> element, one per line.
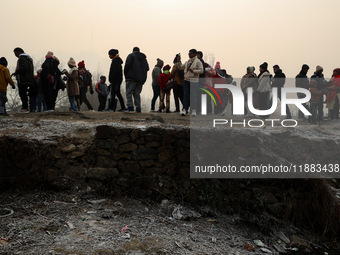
<point x="188" y="80"/>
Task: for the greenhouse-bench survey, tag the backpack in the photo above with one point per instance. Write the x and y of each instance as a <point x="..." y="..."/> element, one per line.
<point x="87" y="79"/>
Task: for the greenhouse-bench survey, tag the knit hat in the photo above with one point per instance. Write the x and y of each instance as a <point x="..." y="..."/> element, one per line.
<point x="81" y="64"/>
<point x="136" y="49"/>
<point x="49" y="55"/>
<point x="336" y="71"/>
<point x="167" y="67"/>
<point x="217" y="66"/>
<point x="264" y="66"/>
<point x="160" y="62"/>
<point x="102" y="77"/>
<point x="251" y="69"/>
<point x="276" y="66"/>
<point x="3" y="61"/>
<point x="319" y="68"/>
<point x="72" y="62"/>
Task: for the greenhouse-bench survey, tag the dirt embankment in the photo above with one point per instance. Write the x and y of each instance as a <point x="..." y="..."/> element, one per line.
<point x="148" y="157"/>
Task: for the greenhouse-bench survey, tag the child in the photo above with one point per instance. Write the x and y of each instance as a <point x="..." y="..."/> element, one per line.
<point x="164" y="92"/>
<point x="5" y="78"/>
<point x="314" y="100"/>
<point x="102" y="90"/>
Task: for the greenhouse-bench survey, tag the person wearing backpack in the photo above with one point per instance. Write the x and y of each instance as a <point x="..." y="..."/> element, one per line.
<point x="164" y="91"/>
<point x="5" y="78"/>
<point x="85" y="81"/>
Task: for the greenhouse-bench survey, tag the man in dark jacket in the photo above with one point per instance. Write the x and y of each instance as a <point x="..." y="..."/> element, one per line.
<point x="135" y="71"/>
<point x="278" y="82"/>
<point x="302" y="81"/>
<point x="24" y="74"/>
<point x="321" y="85"/>
<point x="116" y="78"/>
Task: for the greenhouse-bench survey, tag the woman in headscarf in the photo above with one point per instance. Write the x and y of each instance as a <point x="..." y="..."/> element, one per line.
<point x="333" y="95"/>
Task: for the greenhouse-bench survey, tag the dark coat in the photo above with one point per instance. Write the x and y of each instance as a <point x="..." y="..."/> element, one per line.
<point x="116" y="71"/>
<point x="25" y="70"/>
<point x="136" y="67"/>
<point x="320" y="80"/>
<point x="50" y="67"/>
<point x="302" y="81"/>
<point x="279" y="79"/>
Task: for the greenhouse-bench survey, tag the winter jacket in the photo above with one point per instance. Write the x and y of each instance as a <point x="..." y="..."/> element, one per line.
<point x="136" y="67"/>
<point x="247" y="81"/>
<point x="302" y="81"/>
<point x="163" y="79"/>
<point x="333" y="89"/>
<point x="50" y="67"/>
<point x="320" y="80"/>
<point x="177" y="75"/>
<point x="156" y="72"/>
<point x="264" y="81"/>
<point x="72" y="82"/>
<point x="101" y="89"/>
<point x="196" y="65"/>
<point x="24" y="70"/>
<point x="202" y="75"/>
<point x="116" y="71"/>
<point x="5" y="78"/>
<point x="315" y="94"/>
<point x="279" y="79"/>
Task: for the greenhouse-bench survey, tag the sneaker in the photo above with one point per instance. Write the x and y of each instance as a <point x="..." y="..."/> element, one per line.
<point x="92" y="110"/>
<point x="167" y="111"/>
<point x="122" y="110"/>
<point x="159" y="111"/>
<point x="24" y="111"/>
<point x="152" y="111"/>
<point x="193" y="114"/>
<point x="184" y="112"/>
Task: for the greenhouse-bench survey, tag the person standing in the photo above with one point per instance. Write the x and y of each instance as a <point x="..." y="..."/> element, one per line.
<point x="116" y="78"/>
<point x="102" y="90"/>
<point x="72" y="84"/>
<point x="49" y="77"/>
<point x="302" y="81"/>
<point x="192" y="69"/>
<point x="278" y="82"/>
<point x="178" y="76"/>
<point x="5" y="79"/>
<point x="85" y="82"/>
<point x="135" y="72"/>
<point x="156" y="72"/>
<point x="333" y="95"/>
<point x="249" y="81"/>
<point x="24" y="74"/>
<point x="321" y="85"/>
<point x="164" y="91"/>
<point x="264" y="88"/>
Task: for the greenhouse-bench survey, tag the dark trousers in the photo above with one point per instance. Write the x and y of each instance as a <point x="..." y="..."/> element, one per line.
<point x="84" y="98"/>
<point x="156" y="94"/>
<point x="115" y="92"/>
<point x="289" y="115"/>
<point x="313" y="111"/>
<point x="320" y="108"/>
<point x="264" y="97"/>
<point x="102" y="102"/>
<point x="48" y="95"/>
<point x="301" y="115"/>
<point x="23" y="89"/>
<point x="178" y="96"/>
<point x="3" y="100"/>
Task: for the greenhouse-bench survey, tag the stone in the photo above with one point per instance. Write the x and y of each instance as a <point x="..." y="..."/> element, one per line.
<point x="134" y="134"/>
<point x="118" y="156"/>
<point x="101" y="173"/>
<point x="147" y="163"/>
<point x="102" y="152"/>
<point x="144" y="154"/>
<point x="106" y="132"/>
<point x="153" y="144"/>
<point x="108" y="144"/>
<point x="69" y="148"/>
<point x="127" y="147"/>
<point x="165" y="155"/>
<point x="122" y="139"/>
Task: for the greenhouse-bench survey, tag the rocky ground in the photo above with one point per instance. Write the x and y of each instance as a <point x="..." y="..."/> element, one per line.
<point x="81" y="220"/>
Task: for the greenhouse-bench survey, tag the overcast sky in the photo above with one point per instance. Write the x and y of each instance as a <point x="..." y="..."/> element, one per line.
<point x="237" y="33"/>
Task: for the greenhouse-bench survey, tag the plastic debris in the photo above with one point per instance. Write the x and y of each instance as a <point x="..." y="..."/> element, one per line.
<point x="4" y="212"/>
<point x="181" y="213"/>
<point x="265" y="250"/>
<point x="3" y="241"/>
<point x="259" y="243"/>
<point x="126" y="236"/>
<point x="117" y="203"/>
<point x="126" y="228"/>
<point x="91" y="212"/>
<point x="283" y="237"/>
<point x="280" y="248"/>
<point x="213" y="239"/>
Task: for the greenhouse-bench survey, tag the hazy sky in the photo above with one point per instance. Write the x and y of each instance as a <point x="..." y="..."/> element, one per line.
<point x="237" y="33"/>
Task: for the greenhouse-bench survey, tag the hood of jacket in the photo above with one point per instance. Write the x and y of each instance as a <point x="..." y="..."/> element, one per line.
<point x="139" y="55"/>
<point x="118" y="59"/>
<point x="2" y="67"/>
